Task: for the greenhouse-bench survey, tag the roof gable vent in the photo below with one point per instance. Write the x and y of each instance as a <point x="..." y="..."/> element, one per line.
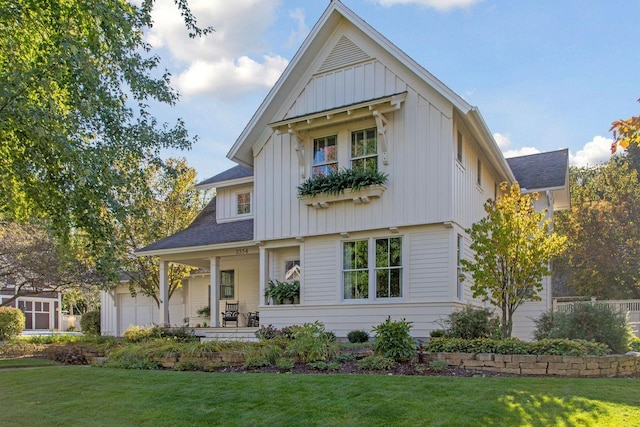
<point x="344" y="53"/>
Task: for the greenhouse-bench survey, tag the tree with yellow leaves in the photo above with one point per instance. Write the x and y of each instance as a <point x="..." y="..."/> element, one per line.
<point x="512" y="246"/>
<point x="625" y="133"/>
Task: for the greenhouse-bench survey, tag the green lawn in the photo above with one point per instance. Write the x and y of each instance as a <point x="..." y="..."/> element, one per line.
<point x="72" y="395"/>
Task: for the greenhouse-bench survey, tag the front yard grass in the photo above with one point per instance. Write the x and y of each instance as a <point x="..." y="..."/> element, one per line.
<point x="75" y="395"/>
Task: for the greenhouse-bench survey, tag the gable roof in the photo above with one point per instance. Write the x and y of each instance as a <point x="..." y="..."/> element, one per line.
<point x="258" y="131"/>
<point x="235" y="173"/>
<point x="203" y="231"/>
<point x="542" y="172"/>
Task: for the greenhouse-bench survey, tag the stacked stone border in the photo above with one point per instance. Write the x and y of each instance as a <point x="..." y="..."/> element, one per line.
<point x="528" y="364"/>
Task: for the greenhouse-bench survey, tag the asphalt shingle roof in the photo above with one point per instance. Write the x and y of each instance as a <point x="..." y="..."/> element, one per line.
<point x="235" y="172"/>
<point x="204" y="231"/>
<point x="542" y="170"/>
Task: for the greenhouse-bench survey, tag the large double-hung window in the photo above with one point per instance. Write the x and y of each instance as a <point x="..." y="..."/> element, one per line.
<point x="372" y="267"/>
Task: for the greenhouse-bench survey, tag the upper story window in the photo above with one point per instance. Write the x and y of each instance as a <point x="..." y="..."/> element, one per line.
<point x="243" y="203"/>
<point x="364" y="150"/>
<point x="459" y="148"/>
<point x="325" y="155"/>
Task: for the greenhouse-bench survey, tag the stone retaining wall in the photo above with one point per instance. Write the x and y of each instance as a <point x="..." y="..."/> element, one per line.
<point x="526" y="364"/>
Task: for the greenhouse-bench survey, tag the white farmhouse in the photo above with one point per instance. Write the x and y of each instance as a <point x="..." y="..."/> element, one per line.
<point x="349" y="99"/>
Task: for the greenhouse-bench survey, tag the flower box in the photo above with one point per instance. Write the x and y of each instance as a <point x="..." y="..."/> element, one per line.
<point x="360" y="196"/>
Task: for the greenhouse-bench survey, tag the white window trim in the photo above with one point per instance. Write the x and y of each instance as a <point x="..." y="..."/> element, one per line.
<point x="369" y="156"/>
<point x="235" y="203"/>
<point x="371" y="253"/>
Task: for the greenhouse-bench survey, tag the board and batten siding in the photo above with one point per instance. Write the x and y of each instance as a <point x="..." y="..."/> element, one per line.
<point x="418" y="188"/>
<point x="226" y="201"/>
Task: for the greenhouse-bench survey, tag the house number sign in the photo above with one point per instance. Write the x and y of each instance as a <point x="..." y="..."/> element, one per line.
<point x="242" y="251"/>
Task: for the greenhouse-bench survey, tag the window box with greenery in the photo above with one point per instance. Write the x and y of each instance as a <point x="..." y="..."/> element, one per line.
<point x="278" y="292"/>
<point x="346" y="184"/>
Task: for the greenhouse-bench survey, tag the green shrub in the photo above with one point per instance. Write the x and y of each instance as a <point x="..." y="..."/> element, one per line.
<point x="11" y="322"/>
<point x="344" y="357"/>
<point x="255" y="362"/>
<point x="438" y="333"/>
<point x="470" y="323"/>
<point x="338" y="181"/>
<point x="634" y="345"/>
<point x="589" y="322"/>
<point x="393" y="340"/>
<point x="311" y="343"/>
<point x="376" y="363"/>
<point x="561" y="347"/>
<point x="136" y="333"/>
<point x="188" y="365"/>
<point x="321" y="365"/>
<point x="285" y="364"/>
<point x="358" y="336"/>
<point x="90" y="322"/>
<point x="438" y="365"/>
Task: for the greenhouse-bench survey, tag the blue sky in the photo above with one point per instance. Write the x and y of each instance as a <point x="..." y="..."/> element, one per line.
<point x="545" y="74"/>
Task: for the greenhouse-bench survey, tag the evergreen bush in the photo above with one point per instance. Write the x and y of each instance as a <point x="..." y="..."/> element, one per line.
<point x="90" y="322"/>
<point x="470" y="323"/>
<point x="589" y="322"/>
<point x="12" y="322"/>
<point x="358" y="337"/>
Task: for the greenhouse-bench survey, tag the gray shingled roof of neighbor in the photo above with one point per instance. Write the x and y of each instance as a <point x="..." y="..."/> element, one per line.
<point x="205" y="231"/>
<point x="542" y="170"/>
<point x="235" y="172"/>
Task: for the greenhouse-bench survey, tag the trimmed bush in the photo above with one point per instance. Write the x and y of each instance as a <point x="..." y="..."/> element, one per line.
<point x="590" y="322"/>
<point x="358" y="337"/>
<point x="11" y="322"/>
<point x="560" y="347"/>
<point x="311" y="343"/>
<point x="470" y="323"/>
<point x="393" y="340"/>
<point x="90" y="322"/>
<point x="377" y="363"/>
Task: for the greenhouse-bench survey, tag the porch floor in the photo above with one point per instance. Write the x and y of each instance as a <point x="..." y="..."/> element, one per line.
<point x="227" y="334"/>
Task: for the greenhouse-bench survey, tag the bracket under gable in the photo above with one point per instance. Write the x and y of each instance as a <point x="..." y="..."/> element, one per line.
<point x="299" y="150"/>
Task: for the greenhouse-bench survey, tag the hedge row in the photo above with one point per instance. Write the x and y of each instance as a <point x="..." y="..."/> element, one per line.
<point x="559" y="347"/>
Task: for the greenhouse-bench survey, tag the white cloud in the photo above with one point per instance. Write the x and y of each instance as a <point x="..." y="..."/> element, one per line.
<point x="594" y="152"/>
<point x="232" y="60"/>
<point x="441" y="5"/>
<point x="524" y="151"/>
<point x="300" y="32"/>
<point x="228" y="78"/>
<point x="503" y="140"/>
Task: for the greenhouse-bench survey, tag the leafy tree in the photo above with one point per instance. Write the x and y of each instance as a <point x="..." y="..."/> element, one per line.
<point x="171" y="205"/>
<point x="32" y="262"/>
<point x="626" y="133"/>
<point x="603" y="232"/>
<point x="512" y="248"/>
<point x="76" y="83"/>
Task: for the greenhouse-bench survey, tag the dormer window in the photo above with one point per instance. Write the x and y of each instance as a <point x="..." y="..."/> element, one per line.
<point x="364" y="150"/>
<point x="325" y="155"/>
<point x="243" y="205"/>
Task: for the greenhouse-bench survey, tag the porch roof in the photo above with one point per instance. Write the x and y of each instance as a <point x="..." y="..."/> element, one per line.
<point x="204" y="231"/>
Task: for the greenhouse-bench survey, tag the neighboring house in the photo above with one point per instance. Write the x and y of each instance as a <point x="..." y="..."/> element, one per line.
<point x="41" y="311"/>
<point x="350" y="99"/>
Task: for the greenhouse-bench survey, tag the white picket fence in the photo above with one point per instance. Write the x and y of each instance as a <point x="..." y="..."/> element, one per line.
<point x="631" y="307"/>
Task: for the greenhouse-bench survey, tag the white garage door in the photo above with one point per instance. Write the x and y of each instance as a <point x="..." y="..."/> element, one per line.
<point x="143" y="311"/>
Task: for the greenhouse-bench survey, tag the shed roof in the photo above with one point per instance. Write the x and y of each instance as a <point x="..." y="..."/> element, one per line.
<point x="541" y="171"/>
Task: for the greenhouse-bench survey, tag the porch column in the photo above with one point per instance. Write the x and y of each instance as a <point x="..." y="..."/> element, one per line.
<point x="264" y="273"/>
<point x="214" y="304"/>
<point x="163" y="318"/>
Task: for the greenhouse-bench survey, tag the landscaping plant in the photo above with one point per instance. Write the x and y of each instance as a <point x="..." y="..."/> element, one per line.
<point x="393" y="340"/>
<point x="11" y="322"/>
<point x="358" y="337"/>
<point x="90" y="322"/>
<point x="472" y="322"/>
<point x="590" y="322"/>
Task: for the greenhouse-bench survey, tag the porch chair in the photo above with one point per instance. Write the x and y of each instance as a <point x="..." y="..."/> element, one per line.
<point x="230" y="313"/>
<point x="253" y="320"/>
